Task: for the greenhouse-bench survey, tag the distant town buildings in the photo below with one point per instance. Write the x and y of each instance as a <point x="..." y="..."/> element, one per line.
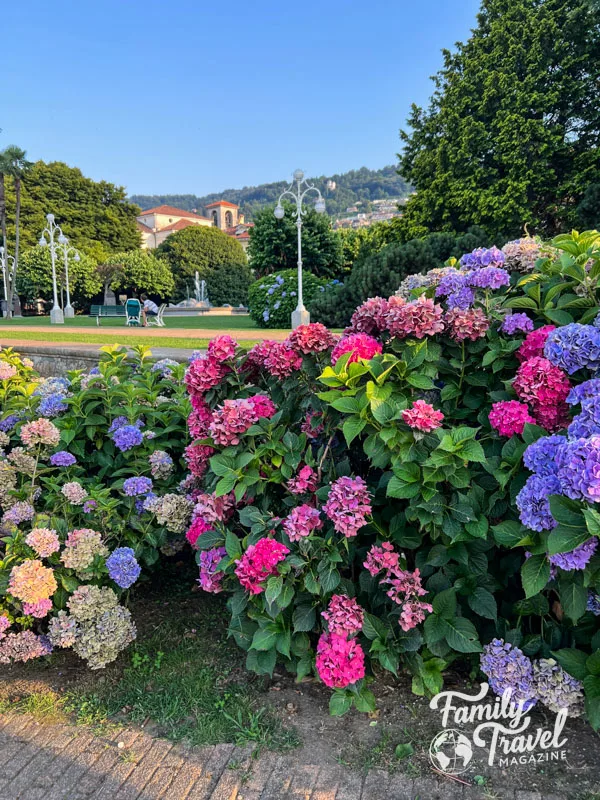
<point x="156" y="224"/>
<point x="382" y="210"/>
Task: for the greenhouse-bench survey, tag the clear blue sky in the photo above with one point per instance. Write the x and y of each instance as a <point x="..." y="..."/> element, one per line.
<point x="196" y="97"/>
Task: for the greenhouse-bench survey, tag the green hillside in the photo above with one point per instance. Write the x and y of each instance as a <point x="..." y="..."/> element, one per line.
<point x="357" y="186"/>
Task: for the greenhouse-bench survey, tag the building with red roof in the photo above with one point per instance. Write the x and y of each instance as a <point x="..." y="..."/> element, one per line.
<point x="155" y="224"/>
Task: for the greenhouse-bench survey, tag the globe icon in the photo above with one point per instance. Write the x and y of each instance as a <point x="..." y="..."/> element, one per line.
<point x="451" y="752"/>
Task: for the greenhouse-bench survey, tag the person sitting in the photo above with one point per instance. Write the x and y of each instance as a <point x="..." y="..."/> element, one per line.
<point x="149" y="309"/>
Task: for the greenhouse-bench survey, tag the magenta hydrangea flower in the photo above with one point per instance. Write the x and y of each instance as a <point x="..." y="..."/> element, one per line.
<point x="221" y="348"/>
<point x="533" y="346"/>
<point x="301" y="522"/>
<point x="204" y="374"/>
<point x="419" y="318"/>
<point x="281" y="360"/>
<point x="197" y="457"/>
<point x="197" y="528"/>
<point x="312" y="338"/>
<point x="509" y="417"/>
<point x="231" y="420"/>
<point x="263" y="406"/>
<point x="348" y="505"/>
<point x="422" y="416"/>
<point x="340" y="661"/>
<point x="344" y="616"/>
<point x="213" y="508"/>
<point x="258" y="563"/>
<point x="200" y="418"/>
<point x="361" y="347"/>
<point x="370" y="317"/>
<point x="304" y="481"/>
<point x="545" y="387"/>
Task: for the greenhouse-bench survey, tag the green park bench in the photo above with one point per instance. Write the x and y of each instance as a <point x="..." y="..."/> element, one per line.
<point x="106" y="311"/>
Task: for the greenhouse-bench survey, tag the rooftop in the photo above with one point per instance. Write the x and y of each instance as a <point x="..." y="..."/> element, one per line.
<point x="170" y="211"/>
<point x="222" y="203"/>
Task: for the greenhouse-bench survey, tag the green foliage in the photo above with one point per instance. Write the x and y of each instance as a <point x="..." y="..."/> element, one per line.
<point x="229" y="283"/>
<point x="509" y="136"/>
<point x="272" y="299"/>
<point x="357" y="185"/>
<point x="274" y="243"/>
<point x="95" y="215"/>
<point x="198" y="248"/>
<point x="34" y="279"/>
<point x="140" y="271"/>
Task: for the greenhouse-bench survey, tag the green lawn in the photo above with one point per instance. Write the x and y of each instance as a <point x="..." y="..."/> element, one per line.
<point x="110" y="337"/>
<point x="233" y="322"/>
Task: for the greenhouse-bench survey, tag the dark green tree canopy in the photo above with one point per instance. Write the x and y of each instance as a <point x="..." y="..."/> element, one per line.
<point x="274" y="243"/>
<point x="94" y="215"/>
<point x="229" y="283"/>
<point x="511" y="135"/>
<point x="200" y="248"/>
<point x="140" y="271"/>
<point x="34" y="278"/>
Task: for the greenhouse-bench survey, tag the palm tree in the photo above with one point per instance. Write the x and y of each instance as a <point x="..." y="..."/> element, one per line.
<point x="14" y="164"/>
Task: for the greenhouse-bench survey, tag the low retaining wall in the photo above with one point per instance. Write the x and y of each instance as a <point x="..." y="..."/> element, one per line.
<point x="55" y="361"/>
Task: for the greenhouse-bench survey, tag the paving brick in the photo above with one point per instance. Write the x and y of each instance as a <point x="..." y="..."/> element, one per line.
<point x="304" y="779"/>
<point x="103" y="768"/>
<point x="327" y="784"/>
<point x="401" y="788"/>
<point x="259" y="772"/>
<point x="143" y="771"/>
<point x="79" y="756"/>
<point x="350" y="787"/>
<point x="213" y="769"/>
<point x="519" y="795"/>
<point x="376" y="785"/>
<point x="122" y="770"/>
<point x="279" y="781"/>
<point x="40" y="758"/>
<point x="432" y="789"/>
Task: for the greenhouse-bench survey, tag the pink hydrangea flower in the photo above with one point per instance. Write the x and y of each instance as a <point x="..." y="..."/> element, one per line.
<point x="371" y="316"/>
<point x="196" y="529"/>
<point x="470" y="323"/>
<point x="7" y="371"/>
<point x="40" y="432"/>
<point x="44" y="541"/>
<point x="258" y="563"/>
<point x="230" y="420"/>
<point x="301" y="522"/>
<point x="215" y="509"/>
<point x="39" y="609"/>
<point x="221" y="348"/>
<point x="340" y="661"/>
<point x="307" y="427"/>
<point x="31" y="582"/>
<point x="509" y="417"/>
<point x="348" y="505"/>
<point x="281" y="361"/>
<point x="360" y="345"/>
<point x="255" y="360"/>
<point x="204" y="374"/>
<point x="419" y="318"/>
<point x="533" y="344"/>
<point x="197" y="457"/>
<point x="200" y="418"/>
<point x="382" y="558"/>
<point x="304" y="481"/>
<point x="344" y="616"/>
<point x="5" y="624"/>
<point x="545" y="387"/>
<point x="422" y="416"/>
<point x="74" y="493"/>
<point x="312" y="338"/>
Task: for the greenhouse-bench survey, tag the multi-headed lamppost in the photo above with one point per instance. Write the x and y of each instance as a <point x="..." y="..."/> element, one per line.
<point x="67" y="250"/>
<point x="56" y="315"/>
<point x="300" y="316"/>
<point x="5" y="266"/>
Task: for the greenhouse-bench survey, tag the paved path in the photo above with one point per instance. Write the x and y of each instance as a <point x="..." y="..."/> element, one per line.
<point x="153" y="333"/>
<point x="66" y="762"/>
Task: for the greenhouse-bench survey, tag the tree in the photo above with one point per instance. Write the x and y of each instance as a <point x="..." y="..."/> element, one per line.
<point x="229" y="283"/>
<point x="198" y="248"/>
<point x="13" y="164"/>
<point x="35" y="276"/>
<point x="95" y="216"/>
<point x="139" y="271"/>
<point x="511" y="134"/>
<point x="274" y="243"/>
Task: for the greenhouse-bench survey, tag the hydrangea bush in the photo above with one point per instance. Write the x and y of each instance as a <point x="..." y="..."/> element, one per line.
<point x="87" y="465"/>
<point x="272" y="299"/>
<point x="419" y="492"/>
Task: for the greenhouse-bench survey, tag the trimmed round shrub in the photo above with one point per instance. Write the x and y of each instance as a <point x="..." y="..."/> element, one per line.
<point x="272" y="299"/>
<point x="229" y="283"/>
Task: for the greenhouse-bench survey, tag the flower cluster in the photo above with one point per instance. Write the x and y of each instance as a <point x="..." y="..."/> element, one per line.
<point x="509" y="417"/>
<point x="545" y="387"/>
<point x="123" y="567"/>
<point x="126" y="436"/>
<point x="231" y="420"/>
<point x="44" y="541"/>
<point x="419" y="318"/>
<point x="31" y="582"/>
<point x="23" y="646"/>
<point x="506" y="667"/>
<point x="344" y="616"/>
<point x="348" y="505"/>
<point x="74" y="493"/>
<point x="359" y="345"/>
<point x="62" y="459"/>
<point x="134" y="487"/>
<point x="575" y="559"/>
<point x="258" y="563"/>
<point x="533" y="504"/>
<point x="422" y="417"/>
<point x="370" y="317"/>
<point x="81" y="548"/>
<point x="574" y="347"/>
<point x="304" y="481"/>
<point x="301" y="522"/>
<point x="521" y="254"/>
<point x="516" y="323"/>
<point x="161" y="465"/>
<point x="340" y="661"/>
<point x="40" y="432"/>
<point x="534" y="343"/>
<point x="483" y="257"/>
<point x="470" y="323"/>
<point x="204" y="374"/>
<point x="210" y="579"/>
<point x="312" y="338"/>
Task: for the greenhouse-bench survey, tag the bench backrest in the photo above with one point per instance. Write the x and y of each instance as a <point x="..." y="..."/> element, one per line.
<point x="107" y="311"/>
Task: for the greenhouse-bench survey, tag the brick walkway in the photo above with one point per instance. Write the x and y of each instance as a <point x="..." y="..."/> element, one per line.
<point x="54" y="762"/>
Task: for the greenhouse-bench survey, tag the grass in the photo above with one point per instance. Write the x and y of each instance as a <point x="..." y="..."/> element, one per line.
<point x="235" y="322"/>
<point x="110" y="338"/>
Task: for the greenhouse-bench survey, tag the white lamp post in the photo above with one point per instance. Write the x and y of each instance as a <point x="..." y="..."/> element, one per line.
<point x="63" y="245"/>
<point x="5" y="266"/>
<point x="300" y="316"/>
<point x="56" y="315"/>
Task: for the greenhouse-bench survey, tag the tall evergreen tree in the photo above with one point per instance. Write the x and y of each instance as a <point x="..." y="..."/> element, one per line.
<point x="511" y="135"/>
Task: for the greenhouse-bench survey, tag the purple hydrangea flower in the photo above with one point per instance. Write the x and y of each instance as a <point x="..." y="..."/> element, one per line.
<point x="593" y="603"/>
<point x="533" y="503"/>
<point x="8" y="423"/>
<point x="579" y="469"/>
<point x="94" y="371"/>
<point x="62" y="459"/>
<point x="584" y="391"/>
<point x="573" y="347"/>
<point x="89" y="506"/>
<point x="483" y="257"/>
<point x="462" y="299"/>
<point x="506" y="667"/>
<point x="52" y="405"/>
<point x="451" y="282"/>
<point x="586" y="423"/>
<point x="127" y="437"/>
<point x="164" y="366"/>
<point x="489" y="278"/>
<point x="210" y="579"/>
<point x="577" y="558"/>
<point x="123" y="567"/>
<point x="514" y="323"/>
<point x="19" y="512"/>
<point x="540" y="456"/>
<point x="133" y="487"/>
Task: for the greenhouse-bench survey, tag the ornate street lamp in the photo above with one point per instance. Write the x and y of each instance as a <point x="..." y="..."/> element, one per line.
<point x="296" y="191"/>
<point x="56" y="315"/>
<point x="5" y="267"/>
<point x="63" y="245"/>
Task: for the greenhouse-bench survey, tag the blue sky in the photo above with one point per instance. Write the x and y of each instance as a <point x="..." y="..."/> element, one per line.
<point x="196" y="97"/>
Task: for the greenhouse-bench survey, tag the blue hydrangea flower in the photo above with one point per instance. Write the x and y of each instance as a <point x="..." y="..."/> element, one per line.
<point x="164" y="366"/>
<point x="578" y="468"/>
<point x="52" y="405"/>
<point x="587" y="422"/>
<point x="514" y="323"/>
<point x="483" y="257"/>
<point x="292" y="294"/>
<point x="276" y="305"/>
<point x="489" y="278"/>
<point x="62" y="459"/>
<point x="8" y="423"/>
<point x="52" y="386"/>
<point x="462" y="299"/>
<point x="577" y="558"/>
<point x="540" y="456"/>
<point x="507" y="667"/>
<point x="127" y="436"/>
<point x="133" y="487"/>
<point x="122" y="567"/>
<point x="452" y="282"/>
<point x="94" y="371"/>
<point x="593" y="603"/>
<point x="196" y="354"/>
<point x="573" y="347"/>
<point x="271" y="290"/>
<point x="533" y="503"/>
<point x="586" y="389"/>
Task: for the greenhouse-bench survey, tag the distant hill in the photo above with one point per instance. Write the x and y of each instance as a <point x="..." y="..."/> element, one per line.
<point x="357" y="186"/>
